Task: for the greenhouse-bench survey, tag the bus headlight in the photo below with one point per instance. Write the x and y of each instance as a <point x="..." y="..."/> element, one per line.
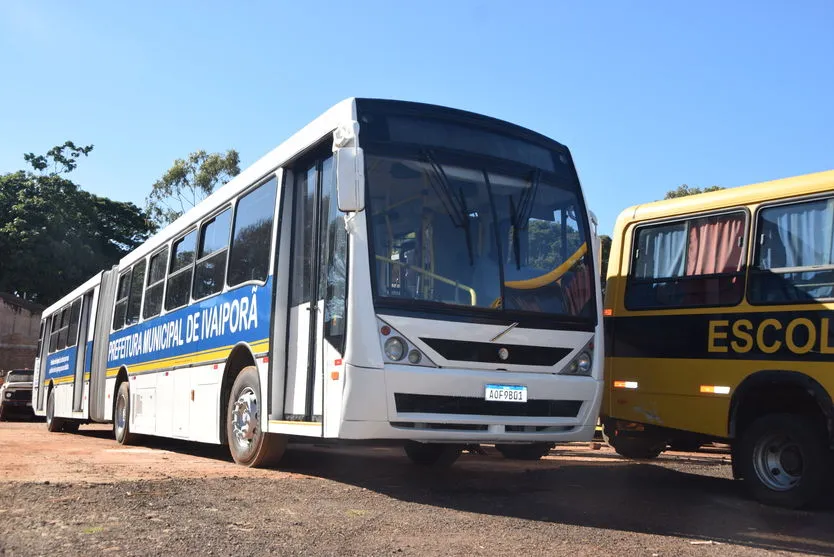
<point x="582" y="364"/>
<point x="395" y="348"/>
<point x="415" y="357"/>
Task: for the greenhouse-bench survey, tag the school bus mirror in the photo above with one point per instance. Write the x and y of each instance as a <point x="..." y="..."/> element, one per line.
<point x="350" y="178"/>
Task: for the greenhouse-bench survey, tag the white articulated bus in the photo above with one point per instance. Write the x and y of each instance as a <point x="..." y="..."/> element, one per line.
<point x="394" y="270"/>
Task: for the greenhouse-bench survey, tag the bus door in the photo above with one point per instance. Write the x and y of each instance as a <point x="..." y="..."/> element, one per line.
<point x="317" y="289"/>
<point x="82" y="358"/>
<point x="40" y="371"/>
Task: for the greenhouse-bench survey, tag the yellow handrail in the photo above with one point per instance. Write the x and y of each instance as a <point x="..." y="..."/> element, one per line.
<point x="435" y="276"/>
<point x="552" y="276"/>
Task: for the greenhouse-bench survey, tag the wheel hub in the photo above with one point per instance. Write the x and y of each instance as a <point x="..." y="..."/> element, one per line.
<point x="778" y="462"/>
<point x="245" y="417"/>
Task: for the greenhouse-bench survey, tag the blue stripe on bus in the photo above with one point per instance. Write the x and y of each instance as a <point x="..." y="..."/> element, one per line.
<point x="239" y="315"/>
<point x="61" y="363"/>
<point x="88" y="357"/>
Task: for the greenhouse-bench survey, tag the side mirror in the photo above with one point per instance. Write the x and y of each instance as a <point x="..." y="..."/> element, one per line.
<point x="349" y="160"/>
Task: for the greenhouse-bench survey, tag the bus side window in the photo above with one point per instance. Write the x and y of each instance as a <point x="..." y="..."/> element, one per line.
<point x="53" y="332"/>
<point x="121" y="301"/>
<point x="62" y="332"/>
<point x="178" y="290"/>
<point x="156" y="282"/>
<point x="696" y="262"/>
<point x="134" y="303"/>
<point x="794" y="260"/>
<point x="252" y="236"/>
<point x="74" y="318"/>
<point x="210" y="270"/>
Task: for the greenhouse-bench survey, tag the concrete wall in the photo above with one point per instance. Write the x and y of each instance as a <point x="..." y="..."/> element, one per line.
<point x="19" y="324"/>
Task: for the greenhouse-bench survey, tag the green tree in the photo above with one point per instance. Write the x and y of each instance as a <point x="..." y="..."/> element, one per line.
<point x="62" y="158"/>
<point x="54" y="235"/>
<point x="604" y="254"/>
<point x="683" y="190"/>
<point x="188" y="182"/>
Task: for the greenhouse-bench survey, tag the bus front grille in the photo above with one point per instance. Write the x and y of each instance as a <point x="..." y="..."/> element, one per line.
<point x="438" y="404"/>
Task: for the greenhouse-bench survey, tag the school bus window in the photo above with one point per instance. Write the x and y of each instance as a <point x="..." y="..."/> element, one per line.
<point x="690" y="263"/>
<point x="795" y="254"/>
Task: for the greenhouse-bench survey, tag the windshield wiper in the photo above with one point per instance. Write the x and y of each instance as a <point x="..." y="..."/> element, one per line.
<point x="522" y="216"/>
<point x="455" y="207"/>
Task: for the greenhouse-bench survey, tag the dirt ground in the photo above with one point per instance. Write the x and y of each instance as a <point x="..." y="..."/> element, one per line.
<point x="83" y="494"/>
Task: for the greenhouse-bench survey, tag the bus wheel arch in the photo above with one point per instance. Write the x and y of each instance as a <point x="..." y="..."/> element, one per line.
<point x="239" y="359"/>
<point x="777" y="391"/>
<point x="781" y="426"/>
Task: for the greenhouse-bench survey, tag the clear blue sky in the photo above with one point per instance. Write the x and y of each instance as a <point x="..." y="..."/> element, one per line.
<point x="648" y="95"/>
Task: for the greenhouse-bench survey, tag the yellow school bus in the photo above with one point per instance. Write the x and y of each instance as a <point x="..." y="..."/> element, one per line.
<point x="719" y="314"/>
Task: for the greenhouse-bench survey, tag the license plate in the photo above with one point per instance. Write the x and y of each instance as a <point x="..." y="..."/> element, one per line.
<point x="506" y="393"/>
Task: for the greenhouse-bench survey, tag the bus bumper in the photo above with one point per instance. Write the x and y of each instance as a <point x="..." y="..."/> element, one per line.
<point x="448" y="405"/>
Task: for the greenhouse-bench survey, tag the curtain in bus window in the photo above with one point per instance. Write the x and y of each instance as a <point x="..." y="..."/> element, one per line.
<point x="801" y="235"/>
<point x="715" y="245"/>
<point x="795" y="236"/>
<point x="662" y="252"/>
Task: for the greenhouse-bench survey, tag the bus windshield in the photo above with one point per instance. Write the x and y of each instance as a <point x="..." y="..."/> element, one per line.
<point x="466" y="234"/>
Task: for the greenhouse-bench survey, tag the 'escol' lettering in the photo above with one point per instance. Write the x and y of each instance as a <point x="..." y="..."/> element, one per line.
<point x="799" y="336"/>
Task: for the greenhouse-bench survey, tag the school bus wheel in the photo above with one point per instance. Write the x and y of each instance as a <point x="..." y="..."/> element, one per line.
<point x="785" y="460"/>
<point x="637" y="445"/>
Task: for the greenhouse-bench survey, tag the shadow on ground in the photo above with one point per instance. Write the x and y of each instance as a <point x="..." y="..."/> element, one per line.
<point x="690" y="496"/>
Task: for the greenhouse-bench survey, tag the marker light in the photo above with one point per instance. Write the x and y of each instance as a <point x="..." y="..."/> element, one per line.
<point x="626" y="384"/>
<point x="715" y="389"/>
<point x="385" y="330"/>
<point x="415" y="357"/>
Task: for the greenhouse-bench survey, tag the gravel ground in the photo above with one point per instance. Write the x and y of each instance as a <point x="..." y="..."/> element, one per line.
<point x="84" y="494"/>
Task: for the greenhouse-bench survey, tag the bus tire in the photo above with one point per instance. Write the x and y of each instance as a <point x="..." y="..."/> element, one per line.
<point x="635" y="445"/>
<point x="784" y="460"/>
<point x="121" y="416"/>
<point x="439" y="455"/>
<point x="248" y="443"/>
<point x="526" y="451"/>
<point x="53" y="424"/>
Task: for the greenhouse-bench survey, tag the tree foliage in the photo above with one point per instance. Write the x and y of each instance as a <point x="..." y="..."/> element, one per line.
<point x="683" y="190"/>
<point x="53" y="234"/>
<point x="188" y="182"/>
<point x="62" y="158"/>
<point x="605" y="253"/>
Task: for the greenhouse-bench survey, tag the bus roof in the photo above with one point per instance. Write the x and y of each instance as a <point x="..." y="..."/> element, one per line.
<point x="805" y="184"/>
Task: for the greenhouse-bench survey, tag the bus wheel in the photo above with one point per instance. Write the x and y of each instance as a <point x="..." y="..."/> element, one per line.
<point x="248" y="443"/>
<point x="784" y="460"/>
<point x="121" y="416"/>
<point x="634" y="446"/>
<point x="440" y="455"/>
<point x="53" y="424"/>
<point x="526" y="451"/>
